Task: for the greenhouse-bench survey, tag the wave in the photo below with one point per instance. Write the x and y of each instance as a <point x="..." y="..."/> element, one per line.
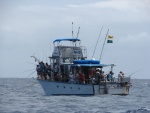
<point x="141" y="110"/>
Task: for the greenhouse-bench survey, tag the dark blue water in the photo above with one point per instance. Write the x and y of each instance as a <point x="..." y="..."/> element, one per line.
<point x="26" y="96"/>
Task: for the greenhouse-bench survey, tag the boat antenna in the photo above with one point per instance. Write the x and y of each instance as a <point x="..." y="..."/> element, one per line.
<point x="103" y="45"/>
<point x="72" y="30"/>
<point x="78" y="32"/>
<point x="97" y="42"/>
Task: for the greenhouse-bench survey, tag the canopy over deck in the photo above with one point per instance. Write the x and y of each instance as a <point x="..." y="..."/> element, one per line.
<point x="66" y="39"/>
<point x="95" y="65"/>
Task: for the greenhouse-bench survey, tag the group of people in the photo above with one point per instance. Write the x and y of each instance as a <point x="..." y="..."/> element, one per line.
<point x="78" y="78"/>
<point x="45" y="71"/>
<point x="101" y="76"/>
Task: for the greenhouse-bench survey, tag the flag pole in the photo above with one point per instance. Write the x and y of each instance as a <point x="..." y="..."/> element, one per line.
<point x="97" y="42"/>
<point x="103" y="45"/>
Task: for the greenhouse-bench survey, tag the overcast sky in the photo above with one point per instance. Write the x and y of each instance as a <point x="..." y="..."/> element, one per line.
<point x="30" y="26"/>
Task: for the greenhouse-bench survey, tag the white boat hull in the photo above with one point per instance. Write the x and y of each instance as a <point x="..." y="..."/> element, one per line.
<point x="61" y="88"/>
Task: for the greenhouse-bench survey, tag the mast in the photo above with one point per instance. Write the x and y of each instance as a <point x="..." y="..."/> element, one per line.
<point x="97" y="42"/>
<point x="103" y="45"/>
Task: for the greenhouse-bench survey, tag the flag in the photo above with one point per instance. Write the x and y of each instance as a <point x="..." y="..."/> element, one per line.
<point x="110" y="39"/>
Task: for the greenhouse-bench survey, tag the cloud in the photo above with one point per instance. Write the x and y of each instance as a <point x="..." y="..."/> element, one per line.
<point x="28" y="28"/>
<point x="139" y="38"/>
<point x="118" y="10"/>
<point x="123" y="5"/>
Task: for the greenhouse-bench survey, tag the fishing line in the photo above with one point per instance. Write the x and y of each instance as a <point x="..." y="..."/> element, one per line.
<point x="26" y="71"/>
<point x="31" y="73"/>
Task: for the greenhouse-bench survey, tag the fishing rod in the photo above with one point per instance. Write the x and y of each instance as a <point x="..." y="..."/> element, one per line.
<point x="134" y="72"/>
<point x="30" y="63"/>
<point x="103" y="45"/>
<point x="97" y="42"/>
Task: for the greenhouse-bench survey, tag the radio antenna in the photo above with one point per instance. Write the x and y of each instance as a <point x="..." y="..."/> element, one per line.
<point x="78" y="32"/>
<point x="72" y="30"/>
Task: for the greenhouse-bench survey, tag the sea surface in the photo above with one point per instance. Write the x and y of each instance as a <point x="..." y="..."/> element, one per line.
<point x="25" y="95"/>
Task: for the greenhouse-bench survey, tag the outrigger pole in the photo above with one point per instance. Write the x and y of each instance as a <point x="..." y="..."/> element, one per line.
<point x="97" y="42"/>
<point x="36" y="59"/>
<point x="103" y="45"/>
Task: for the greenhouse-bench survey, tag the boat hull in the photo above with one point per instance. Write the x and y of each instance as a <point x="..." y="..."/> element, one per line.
<point x="61" y="88"/>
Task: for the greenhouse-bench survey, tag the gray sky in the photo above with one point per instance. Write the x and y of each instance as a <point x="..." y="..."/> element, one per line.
<point x="30" y="26"/>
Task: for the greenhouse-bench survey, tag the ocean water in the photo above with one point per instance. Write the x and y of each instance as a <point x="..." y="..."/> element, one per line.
<point x="22" y="95"/>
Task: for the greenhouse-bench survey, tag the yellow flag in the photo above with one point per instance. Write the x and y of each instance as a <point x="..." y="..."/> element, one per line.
<point x="110" y="37"/>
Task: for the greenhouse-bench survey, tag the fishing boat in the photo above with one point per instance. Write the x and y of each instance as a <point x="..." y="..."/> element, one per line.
<point x="70" y="72"/>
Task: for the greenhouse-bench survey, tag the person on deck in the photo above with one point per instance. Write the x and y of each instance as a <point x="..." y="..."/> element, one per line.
<point x="120" y="76"/>
<point x="97" y="76"/>
<point x="46" y="71"/>
<point x="81" y="78"/>
<point x="77" y="77"/>
<point x="102" y="76"/>
<point x="110" y="76"/>
<point x="71" y="78"/>
<point x="55" y="70"/>
<point x="50" y="71"/>
<point x="38" y="71"/>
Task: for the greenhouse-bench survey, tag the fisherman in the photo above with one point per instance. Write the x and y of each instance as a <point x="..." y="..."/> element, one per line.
<point x="55" y="69"/>
<point x="63" y="77"/>
<point x="38" y="71"/>
<point x="97" y="76"/>
<point x="77" y="77"/>
<point x="71" y="78"/>
<point x="56" y="77"/>
<point x="120" y="76"/>
<point x="46" y="71"/>
<point x="81" y="78"/>
<point x="49" y="71"/>
<point x="110" y="76"/>
<point x="102" y="75"/>
<point x="42" y="69"/>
